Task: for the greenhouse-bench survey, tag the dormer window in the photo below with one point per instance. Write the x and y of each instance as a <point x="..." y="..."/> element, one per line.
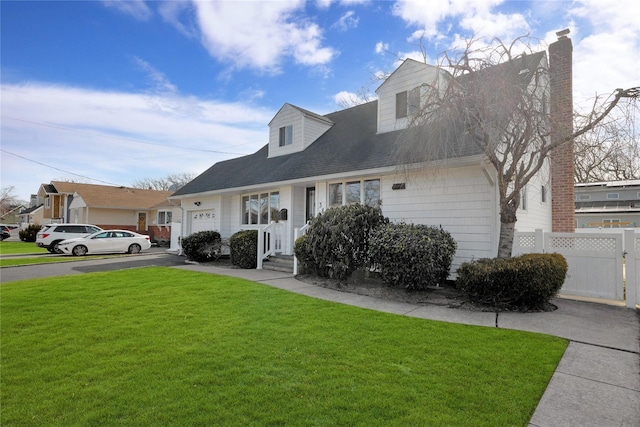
<point x="401" y="105"/>
<point x="407" y="103"/>
<point x="286" y="135"/>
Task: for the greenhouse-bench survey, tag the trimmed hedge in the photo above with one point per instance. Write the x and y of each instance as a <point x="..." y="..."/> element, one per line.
<point x="526" y="282"/>
<point x="29" y="234"/>
<point x="203" y="246"/>
<point x="244" y="248"/>
<point x="412" y="255"/>
<point x="337" y="241"/>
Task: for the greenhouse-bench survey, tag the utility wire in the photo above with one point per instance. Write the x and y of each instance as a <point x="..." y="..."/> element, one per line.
<point x="82" y="132"/>
<point x="58" y="169"/>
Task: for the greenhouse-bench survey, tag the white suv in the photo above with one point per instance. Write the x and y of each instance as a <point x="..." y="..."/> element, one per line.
<point x="50" y="235"/>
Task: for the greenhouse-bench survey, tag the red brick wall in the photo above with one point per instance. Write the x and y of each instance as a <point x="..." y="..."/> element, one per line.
<point x="562" y="166"/>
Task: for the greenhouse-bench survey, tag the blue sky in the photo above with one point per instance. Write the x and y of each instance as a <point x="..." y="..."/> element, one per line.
<point x="110" y="92"/>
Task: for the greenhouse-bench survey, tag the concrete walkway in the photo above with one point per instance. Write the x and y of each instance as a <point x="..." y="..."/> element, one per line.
<point x="597" y="382"/>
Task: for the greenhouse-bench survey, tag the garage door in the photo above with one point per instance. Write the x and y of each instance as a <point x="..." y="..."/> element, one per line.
<point x="202" y="221"/>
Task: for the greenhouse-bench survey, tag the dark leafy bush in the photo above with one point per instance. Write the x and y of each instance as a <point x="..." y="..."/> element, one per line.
<point x="29" y="234"/>
<point x="525" y="282"/>
<point x="303" y="254"/>
<point x="412" y="255"/>
<point x="203" y="246"/>
<point x="244" y="248"/>
<point x="337" y="241"/>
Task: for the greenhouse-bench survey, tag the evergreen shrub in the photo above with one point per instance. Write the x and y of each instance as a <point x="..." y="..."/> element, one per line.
<point x="29" y="234"/>
<point x="337" y="241"/>
<point x="244" y="249"/>
<point x="524" y="282"/>
<point x="412" y="255"/>
<point x="203" y="246"/>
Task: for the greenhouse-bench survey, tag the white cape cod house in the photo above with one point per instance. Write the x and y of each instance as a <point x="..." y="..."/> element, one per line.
<point x="313" y="162"/>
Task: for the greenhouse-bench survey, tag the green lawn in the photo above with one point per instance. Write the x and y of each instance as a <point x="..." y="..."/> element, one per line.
<point x="161" y="346"/>
<point x="11" y="248"/>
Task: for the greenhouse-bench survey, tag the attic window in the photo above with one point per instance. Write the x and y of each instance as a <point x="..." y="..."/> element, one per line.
<point x="401" y="105"/>
<point x="407" y="103"/>
<point x="286" y="135"/>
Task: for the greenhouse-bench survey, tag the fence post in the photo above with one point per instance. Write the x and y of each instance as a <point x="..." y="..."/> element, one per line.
<point x="632" y="282"/>
<point x="539" y="241"/>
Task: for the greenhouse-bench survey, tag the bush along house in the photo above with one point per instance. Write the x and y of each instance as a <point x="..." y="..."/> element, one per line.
<point x="313" y="162"/>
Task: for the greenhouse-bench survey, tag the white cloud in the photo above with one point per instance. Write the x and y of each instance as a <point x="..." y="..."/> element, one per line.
<point x="136" y="8"/>
<point x="347" y="99"/>
<point x="118" y="137"/>
<point x="260" y="35"/>
<point x="347" y="21"/>
<point x="382" y="47"/>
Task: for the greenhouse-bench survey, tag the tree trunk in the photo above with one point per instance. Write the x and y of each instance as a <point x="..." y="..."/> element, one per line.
<point x="505" y="245"/>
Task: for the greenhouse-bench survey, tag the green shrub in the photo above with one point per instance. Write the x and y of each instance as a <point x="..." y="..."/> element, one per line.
<point x="412" y="255"/>
<point x="525" y="282"/>
<point x="303" y="254"/>
<point x="29" y="234"/>
<point x="203" y="246"/>
<point x="337" y="241"/>
<point x="244" y="248"/>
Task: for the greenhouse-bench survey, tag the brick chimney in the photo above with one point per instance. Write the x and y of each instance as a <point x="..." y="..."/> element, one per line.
<point x="562" y="166"/>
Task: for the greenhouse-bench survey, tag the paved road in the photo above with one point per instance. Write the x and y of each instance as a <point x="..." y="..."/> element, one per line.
<point x="154" y="257"/>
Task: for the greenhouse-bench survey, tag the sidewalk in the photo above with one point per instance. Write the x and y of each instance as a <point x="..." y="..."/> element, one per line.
<point x="597" y="382"/>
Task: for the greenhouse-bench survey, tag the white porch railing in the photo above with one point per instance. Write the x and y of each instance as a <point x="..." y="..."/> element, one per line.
<point x="297" y="233"/>
<point x="601" y="265"/>
<point x="269" y="241"/>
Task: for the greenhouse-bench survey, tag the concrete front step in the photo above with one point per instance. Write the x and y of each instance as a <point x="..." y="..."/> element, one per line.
<point x="283" y="263"/>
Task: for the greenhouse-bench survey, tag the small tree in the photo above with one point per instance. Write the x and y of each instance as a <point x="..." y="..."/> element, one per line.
<point x="171" y="182"/>
<point x="497" y="96"/>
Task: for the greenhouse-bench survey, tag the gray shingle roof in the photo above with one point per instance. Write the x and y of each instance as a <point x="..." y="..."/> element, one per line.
<point x="351" y="144"/>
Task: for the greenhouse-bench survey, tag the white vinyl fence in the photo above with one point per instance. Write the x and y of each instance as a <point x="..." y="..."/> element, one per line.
<point x="597" y="262"/>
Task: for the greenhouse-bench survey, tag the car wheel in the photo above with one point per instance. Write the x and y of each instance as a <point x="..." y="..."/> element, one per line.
<point x="80" y="250"/>
<point x="56" y="248"/>
<point x="134" y="249"/>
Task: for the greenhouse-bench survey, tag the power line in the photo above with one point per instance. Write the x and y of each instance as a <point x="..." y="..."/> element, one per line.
<point x="58" y="169"/>
<point x="82" y="132"/>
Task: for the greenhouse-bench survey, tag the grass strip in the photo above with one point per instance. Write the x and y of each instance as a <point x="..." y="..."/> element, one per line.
<point x="15" y="262"/>
<point x="13" y="248"/>
<point x="162" y="346"/>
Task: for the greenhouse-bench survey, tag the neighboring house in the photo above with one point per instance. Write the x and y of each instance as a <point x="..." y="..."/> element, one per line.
<point x="614" y="204"/>
<point x="313" y="162"/>
<point x="31" y="215"/>
<point x="12" y="215"/>
<point x="144" y="211"/>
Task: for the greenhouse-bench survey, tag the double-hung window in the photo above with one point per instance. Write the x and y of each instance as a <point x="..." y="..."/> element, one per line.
<point x="286" y="136"/>
<point x="365" y="192"/>
<point x="164" y="217"/>
<point x="260" y="208"/>
<point x="408" y="103"/>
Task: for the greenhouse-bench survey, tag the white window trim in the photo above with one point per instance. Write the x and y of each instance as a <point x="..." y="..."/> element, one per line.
<point x="165" y="212"/>
<point x="344" y="190"/>
<point x="269" y="208"/>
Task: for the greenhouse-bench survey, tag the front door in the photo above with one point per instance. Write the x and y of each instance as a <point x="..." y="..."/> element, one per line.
<point x="311" y="203"/>
<point x="142" y="221"/>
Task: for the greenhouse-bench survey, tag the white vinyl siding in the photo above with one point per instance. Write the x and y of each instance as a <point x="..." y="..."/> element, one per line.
<point x="461" y="200"/>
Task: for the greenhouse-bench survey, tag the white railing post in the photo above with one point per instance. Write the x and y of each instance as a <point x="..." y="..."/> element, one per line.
<point x="297" y="233"/>
<point x="631" y="259"/>
<point x="260" y="253"/>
